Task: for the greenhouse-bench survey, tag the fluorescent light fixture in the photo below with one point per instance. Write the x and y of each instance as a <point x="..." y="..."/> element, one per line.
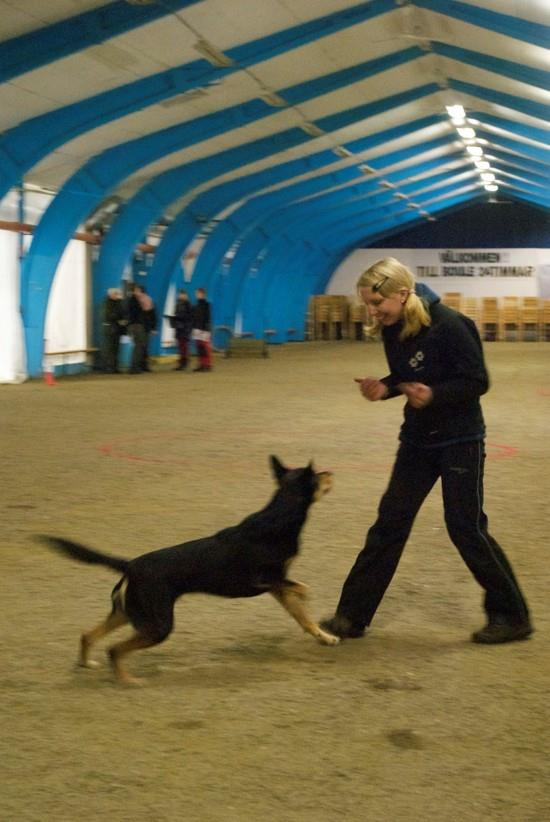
<point x="312" y="129"/>
<point x="400" y="196"/>
<point x="341" y="151"/>
<point x="487" y="178"/>
<point x="424" y="213"/>
<point x="212" y="54"/>
<point x="475" y="151"/>
<point x="366" y="169"/>
<point x="432" y="219"/>
<point x="456" y="112"/>
<point x="385" y="184"/>
<point x="491" y="188"/>
<point x="482" y="165"/>
<point x="273" y="99"/>
<point x="467" y="133"/>
<point x="413" y="205"/>
<point x="473" y="122"/>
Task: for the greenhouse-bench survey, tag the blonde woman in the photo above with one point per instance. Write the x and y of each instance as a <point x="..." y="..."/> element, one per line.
<point x="436" y="362"/>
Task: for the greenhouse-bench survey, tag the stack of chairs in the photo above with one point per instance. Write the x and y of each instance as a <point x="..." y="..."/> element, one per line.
<point x="544" y="325"/>
<point x="510" y="323"/>
<point x="470" y="308"/>
<point x="357" y="318"/>
<point x="530" y="321"/>
<point x="489" y="320"/>
<point x="453" y="299"/>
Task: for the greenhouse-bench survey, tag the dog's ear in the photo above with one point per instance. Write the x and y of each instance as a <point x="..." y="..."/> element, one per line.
<point x="311" y="467"/>
<point x="278" y="468"/>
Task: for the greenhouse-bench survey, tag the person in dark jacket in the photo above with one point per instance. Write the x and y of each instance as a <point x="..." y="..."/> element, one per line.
<point x="201" y="330"/>
<point x="182" y="323"/>
<point x="142" y="321"/>
<point x="113" y="326"/>
<point x="436" y="362"/>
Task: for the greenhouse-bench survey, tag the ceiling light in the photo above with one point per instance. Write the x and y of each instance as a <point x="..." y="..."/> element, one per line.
<point x="475" y="151"/>
<point x="312" y="129"/>
<point x="366" y="169"/>
<point x="491" y="188"/>
<point x="482" y="164"/>
<point x="341" y="151"/>
<point x="456" y="112"/>
<point x="488" y="178"/>
<point x="467" y="133"/>
<point x="400" y="196"/>
<point x="473" y="122"/>
<point x="212" y="54"/>
<point x="273" y="99"/>
<point x="413" y="205"/>
<point x="385" y="184"/>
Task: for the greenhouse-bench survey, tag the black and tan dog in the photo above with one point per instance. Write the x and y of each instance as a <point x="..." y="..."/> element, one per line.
<point x="246" y="560"/>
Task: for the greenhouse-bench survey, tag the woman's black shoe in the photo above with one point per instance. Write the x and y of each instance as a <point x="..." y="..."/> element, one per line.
<point x="343" y="627"/>
<point x="497" y="631"/>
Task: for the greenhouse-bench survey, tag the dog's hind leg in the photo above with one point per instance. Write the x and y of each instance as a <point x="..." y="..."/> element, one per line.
<point x="115" y="620"/>
<point x="292" y="600"/>
<point x="137" y="642"/>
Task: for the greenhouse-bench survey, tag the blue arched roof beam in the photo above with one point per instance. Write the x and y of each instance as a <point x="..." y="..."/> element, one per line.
<point x="506" y="68"/>
<point x="153" y="198"/>
<point x="48" y="43"/>
<point x="512" y="160"/>
<point x="249" y="214"/>
<point x="512" y="101"/>
<point x="89" y="185"/>
<point x="315" y="270"/>
<point x="334" y="216"/>
<point x="25" y="145"/>
<point x="511" y="126"/>
<point x="311" y="267"/>
<point x="519" y="147"/>
<point x="226" y="233"/>
<point x="494" y="21"/>
<point x="180" y="233"/>
<point x="254" y="241"/>
<point x="186" y="225"/>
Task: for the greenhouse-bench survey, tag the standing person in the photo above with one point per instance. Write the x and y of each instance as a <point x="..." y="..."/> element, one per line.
<point x="436" y="362"/>
<point x="201" y="330"/>
<point x="182" y="322"/>
<point x="142" y="321"/>
<point x="113" y="326"/>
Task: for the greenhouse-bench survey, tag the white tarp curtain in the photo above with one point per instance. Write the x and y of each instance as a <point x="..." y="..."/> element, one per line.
<point x="66" y="326"/>
<point x="13" y="367"/>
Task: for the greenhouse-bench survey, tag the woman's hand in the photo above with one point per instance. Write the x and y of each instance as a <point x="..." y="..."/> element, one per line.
<point x="418" y="394"/>
<point x="371" y="388"/>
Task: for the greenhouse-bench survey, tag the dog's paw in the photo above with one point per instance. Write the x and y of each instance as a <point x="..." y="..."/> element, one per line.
<point x="91" y="664"/>
<point x="326" y="638"/>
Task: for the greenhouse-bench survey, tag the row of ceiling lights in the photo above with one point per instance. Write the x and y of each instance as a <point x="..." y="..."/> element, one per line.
<point x="474" y="145"/>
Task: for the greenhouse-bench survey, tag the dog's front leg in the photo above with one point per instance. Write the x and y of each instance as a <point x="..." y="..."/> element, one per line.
<point x="292" y="598"/>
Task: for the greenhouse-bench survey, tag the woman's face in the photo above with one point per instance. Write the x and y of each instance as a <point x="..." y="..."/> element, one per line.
<point x="387" y="310"/>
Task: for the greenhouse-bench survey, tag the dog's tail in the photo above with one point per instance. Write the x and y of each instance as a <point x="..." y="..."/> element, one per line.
<point x="84" y="554"/>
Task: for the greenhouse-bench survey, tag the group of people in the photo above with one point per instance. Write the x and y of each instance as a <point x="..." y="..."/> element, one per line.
<point x="137" y="317"/>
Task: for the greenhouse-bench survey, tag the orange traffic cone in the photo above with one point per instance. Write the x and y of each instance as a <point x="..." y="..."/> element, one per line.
<point x="49" y="377"/>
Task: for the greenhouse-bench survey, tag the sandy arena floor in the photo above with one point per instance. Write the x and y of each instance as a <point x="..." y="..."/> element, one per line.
<point x="242" y="717"/>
